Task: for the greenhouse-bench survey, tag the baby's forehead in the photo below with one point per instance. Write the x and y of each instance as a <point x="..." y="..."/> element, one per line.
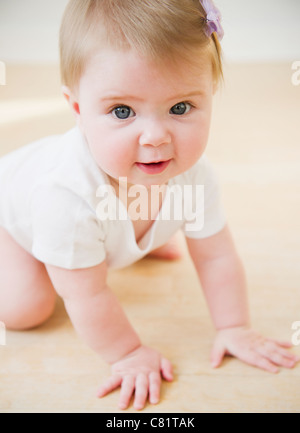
<point x="130" y="61"/>
<point x="113" y="75"/>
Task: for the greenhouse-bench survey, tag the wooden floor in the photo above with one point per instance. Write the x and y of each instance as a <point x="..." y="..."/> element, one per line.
<point x="255" y="146"/>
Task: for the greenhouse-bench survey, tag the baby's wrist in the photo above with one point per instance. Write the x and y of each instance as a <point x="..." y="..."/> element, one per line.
<point x="116" y="357"/>
<point x="245" y="325"/>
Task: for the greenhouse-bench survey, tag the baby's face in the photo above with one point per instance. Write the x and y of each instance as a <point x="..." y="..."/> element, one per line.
<point x="144" y="122"/>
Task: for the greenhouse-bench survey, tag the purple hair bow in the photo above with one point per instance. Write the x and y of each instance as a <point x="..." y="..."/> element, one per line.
<point x="213" y="19"/>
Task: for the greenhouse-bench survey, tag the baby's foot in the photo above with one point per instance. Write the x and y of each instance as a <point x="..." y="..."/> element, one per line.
<point x="170" y="251"/>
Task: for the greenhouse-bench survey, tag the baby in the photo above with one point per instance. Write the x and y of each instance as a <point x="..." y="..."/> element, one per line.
<point x="140" y="77"/>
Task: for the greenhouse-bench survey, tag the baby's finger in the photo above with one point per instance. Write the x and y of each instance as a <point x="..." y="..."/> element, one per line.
<point x="288" y="354"/>
<point x="141" y="391"/>
<point x="110" y="385"/>
<point x="257" y="360"/>
<point x="276" y="354"/>
<point x="166" y="369"/>
<point x="217" y="354"/>
<point x="127" y="391"/>
<point x="154" y="387"/>
<point x="286" y="344"/>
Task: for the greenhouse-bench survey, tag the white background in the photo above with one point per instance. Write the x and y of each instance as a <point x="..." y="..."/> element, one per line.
<point x="256" y="30"/>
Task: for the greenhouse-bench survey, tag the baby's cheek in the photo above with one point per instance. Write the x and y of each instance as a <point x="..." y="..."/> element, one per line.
<point x="193" y="150"/>
<point x="116" y="159"/>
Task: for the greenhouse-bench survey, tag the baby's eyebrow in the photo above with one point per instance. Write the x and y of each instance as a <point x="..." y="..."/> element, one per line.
<point x="120" y="98"/>
<point x="179" y="97"/>
<point x="188" y="95"/>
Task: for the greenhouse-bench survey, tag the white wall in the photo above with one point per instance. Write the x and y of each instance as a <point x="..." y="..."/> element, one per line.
<point x="261" y="30"/>
<point x="29" y="30"/>
<point x="256" y="30"/>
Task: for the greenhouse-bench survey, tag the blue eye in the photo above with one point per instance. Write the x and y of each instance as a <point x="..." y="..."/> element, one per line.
<point x="181" y="108"/>
<point x="123" y="112"/>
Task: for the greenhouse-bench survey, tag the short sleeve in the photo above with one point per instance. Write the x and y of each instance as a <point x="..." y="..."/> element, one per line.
<point x="206" y="215"/>
<point x="65" y="230"/>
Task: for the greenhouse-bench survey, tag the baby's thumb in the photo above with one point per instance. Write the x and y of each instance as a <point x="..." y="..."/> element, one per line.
<point x="166" y="369"/>
<point x="217" y="354"/>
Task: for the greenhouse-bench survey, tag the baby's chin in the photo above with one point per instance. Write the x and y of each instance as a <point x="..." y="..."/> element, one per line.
<point x="144" y="181"/>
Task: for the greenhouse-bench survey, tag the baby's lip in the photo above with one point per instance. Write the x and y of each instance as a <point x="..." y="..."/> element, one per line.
<point x="154" y="167"/>
<point x="156" y="161"/>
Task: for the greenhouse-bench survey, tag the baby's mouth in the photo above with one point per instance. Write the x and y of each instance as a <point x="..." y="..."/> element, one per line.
<point x="153" y="167"/>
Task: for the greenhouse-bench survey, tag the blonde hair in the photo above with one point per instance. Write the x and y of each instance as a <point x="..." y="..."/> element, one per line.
<point x="162" y="30"/>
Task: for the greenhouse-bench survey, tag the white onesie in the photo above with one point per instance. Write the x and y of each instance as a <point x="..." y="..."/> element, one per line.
<point x="49" y="205"/>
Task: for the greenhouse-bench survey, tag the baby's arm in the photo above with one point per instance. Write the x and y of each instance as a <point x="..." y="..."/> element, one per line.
<point x="100" y="320"/>
<point x="223" y="280"/>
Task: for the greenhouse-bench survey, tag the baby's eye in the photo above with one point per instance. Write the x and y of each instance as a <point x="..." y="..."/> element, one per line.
<point x="123" y="112"/>
<point x="181" y="108"/>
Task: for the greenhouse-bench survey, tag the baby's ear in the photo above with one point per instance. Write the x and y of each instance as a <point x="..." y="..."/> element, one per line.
<point x="72" y="101"/>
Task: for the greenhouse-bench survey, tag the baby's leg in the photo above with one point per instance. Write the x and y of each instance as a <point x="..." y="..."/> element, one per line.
<point x="27" y="297"/>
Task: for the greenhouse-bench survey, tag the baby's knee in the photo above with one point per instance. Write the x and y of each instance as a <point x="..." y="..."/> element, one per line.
<point x="30" y="313"/>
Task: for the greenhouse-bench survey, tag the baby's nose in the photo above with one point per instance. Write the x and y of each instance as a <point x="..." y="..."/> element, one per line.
<point x="155" y="133"/>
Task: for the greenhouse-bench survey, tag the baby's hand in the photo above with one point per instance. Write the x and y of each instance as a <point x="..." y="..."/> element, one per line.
<point x="253" y="349"/>
<point x="139" y="372"/>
